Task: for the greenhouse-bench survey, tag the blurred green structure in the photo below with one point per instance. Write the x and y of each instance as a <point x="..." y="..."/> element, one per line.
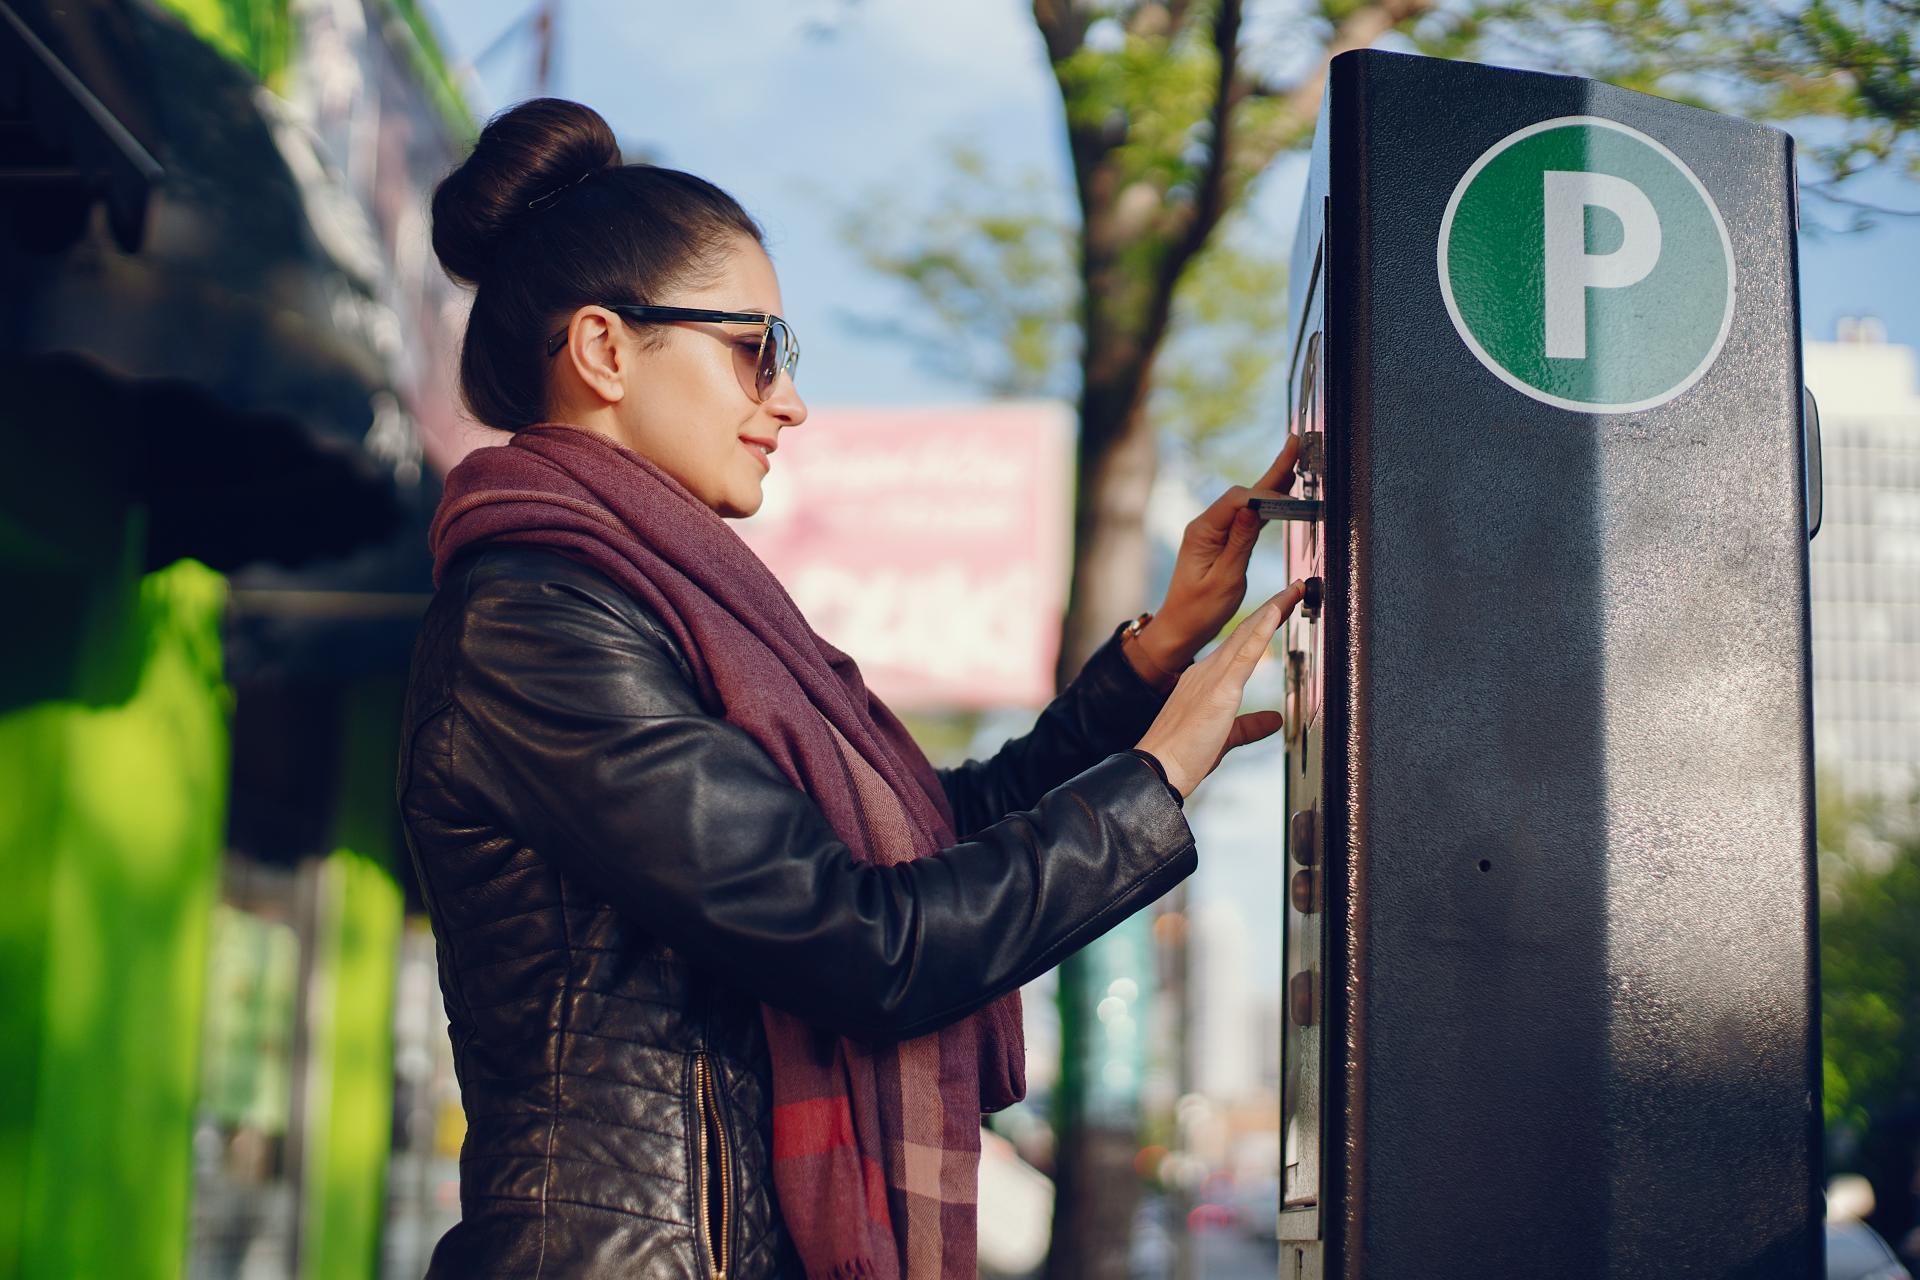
<point x="360" y="918"/>
<point x="112" y="846"/>
<point x="212" y="550"/>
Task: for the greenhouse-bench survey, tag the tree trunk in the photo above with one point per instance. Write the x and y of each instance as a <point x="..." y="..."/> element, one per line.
<point x="1096" y="1189"/>
<point x="1115" y="468"/>
<point x="1095" y="1195"/>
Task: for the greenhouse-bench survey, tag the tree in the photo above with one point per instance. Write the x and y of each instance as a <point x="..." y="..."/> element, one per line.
<point x="1843" y="74"/>
<point x="1870" y="996"/>
<point x="1169" y="122"/>
<point x="1173" y="109"/>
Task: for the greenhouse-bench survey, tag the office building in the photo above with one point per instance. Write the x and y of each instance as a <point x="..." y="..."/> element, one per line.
<point x="1865" y="569"/>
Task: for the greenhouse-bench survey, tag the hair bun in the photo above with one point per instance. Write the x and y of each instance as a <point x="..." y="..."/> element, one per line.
<point x="523" y="153"/>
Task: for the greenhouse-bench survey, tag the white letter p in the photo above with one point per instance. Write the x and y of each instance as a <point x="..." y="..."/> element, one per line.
<point x="1571" y="271"/>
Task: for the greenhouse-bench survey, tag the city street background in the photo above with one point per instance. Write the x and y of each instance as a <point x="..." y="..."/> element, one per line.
<point x="236" y="1055"/>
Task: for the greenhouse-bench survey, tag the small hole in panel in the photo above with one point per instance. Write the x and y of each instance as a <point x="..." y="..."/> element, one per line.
<point x="1485" y="865"/>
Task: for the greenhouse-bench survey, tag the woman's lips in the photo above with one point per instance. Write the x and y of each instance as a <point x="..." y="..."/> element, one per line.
<point x="766" y="463"/>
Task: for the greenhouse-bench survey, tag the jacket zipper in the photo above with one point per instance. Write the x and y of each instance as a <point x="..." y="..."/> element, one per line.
<point x="708" y="1123"/>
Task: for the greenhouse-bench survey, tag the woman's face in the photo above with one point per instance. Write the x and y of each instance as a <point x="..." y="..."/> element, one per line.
<point x="677" y="393"/>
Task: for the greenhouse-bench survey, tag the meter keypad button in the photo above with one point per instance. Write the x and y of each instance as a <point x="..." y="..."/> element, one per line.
<point x="1302" y="838"/>
<point x="1300" y="998"/>
<point x="1300" y="891"/>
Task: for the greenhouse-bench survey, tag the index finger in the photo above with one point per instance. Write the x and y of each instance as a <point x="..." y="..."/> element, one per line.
<point x="1262" y="629"/>
<point x="1283" y="465"/>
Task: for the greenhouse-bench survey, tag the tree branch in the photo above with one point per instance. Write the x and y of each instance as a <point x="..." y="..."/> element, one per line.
<point x="1229" y="90"/>
<point x="1063" y="25"/>
<point x="1231" y="162"/>
<point x="1826" y="190"/>
<point x="1188" y="229"/>
<point x="1358" y="30"/>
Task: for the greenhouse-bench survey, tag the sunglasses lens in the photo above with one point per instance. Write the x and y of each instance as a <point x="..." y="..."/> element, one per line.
<point x="773" y="356"/>
<point x="747" y="360"/>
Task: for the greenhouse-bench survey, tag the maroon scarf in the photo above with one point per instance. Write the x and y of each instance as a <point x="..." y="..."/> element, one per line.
<point x="876" y="1148"/>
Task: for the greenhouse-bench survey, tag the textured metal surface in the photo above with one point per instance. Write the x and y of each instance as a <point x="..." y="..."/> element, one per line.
<point x="1568" y="823"/>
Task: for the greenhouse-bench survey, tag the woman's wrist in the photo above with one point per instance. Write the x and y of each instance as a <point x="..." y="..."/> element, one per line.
<point x="1158" y="660"/>
<point x="1161" y="679"/>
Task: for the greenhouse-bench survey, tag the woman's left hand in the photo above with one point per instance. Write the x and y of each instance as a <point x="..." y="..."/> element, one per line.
<point x="1210" y="571"/>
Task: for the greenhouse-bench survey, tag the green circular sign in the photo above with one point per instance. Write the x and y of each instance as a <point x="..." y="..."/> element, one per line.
<point x="1586" y="266"/>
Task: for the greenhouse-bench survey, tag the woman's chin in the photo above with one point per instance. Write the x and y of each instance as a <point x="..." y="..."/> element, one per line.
<point x="743" y="505"/>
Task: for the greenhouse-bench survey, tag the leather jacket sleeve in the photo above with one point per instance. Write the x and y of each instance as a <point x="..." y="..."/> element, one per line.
<point x="587" y="740"/>
<point x="1105" y="708"/>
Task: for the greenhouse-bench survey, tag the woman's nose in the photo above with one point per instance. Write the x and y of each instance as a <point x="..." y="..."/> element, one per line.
<point x="785" y="402"/>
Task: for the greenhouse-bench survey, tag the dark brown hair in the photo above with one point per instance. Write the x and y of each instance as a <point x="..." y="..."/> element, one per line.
<point x="626" y="233"/>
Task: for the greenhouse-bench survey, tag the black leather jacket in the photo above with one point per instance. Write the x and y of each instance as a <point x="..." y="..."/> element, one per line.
<point x="617" y="878"/>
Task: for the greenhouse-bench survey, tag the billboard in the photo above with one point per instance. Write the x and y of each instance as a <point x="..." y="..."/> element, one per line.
<point x="931" y="543"/>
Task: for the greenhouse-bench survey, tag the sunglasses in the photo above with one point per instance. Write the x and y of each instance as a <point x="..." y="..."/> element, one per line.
<point x="778" y="351"/>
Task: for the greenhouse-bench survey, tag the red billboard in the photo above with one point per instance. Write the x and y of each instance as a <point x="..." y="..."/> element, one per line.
<point x="931" y="543"/>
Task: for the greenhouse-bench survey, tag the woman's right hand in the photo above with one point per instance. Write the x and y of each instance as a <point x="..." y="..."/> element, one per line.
<point x="1201" y="720"/>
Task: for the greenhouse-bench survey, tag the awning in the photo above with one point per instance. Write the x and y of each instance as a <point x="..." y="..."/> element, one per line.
<point x="229" y="287"/>
<point x="62" y="146"/>
<point x="160" y="236"/>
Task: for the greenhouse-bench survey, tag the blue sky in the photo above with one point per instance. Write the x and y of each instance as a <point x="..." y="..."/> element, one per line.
<point x="800" y="128"/>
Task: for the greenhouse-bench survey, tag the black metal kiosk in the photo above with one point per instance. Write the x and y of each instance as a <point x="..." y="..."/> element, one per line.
<point x="1550" y="966"/>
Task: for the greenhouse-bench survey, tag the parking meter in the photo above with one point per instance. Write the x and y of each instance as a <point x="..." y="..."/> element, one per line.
<point x="1549" y="937"/>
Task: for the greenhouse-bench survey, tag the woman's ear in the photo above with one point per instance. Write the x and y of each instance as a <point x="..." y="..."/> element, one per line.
<point x="597" y="352"/>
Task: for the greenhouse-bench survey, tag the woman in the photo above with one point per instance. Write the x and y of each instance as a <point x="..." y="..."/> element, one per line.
<point x="730" y="969"/>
